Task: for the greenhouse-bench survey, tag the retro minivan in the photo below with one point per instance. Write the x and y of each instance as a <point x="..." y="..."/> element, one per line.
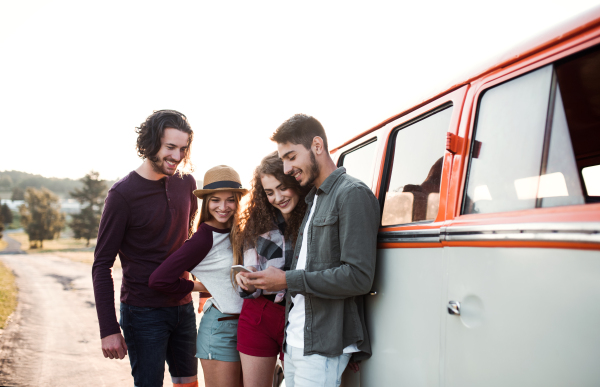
<point x="488" y="261"/>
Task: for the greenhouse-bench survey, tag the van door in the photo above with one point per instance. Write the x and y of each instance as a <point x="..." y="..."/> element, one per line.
<point x="523" y="254"/>
<point x="403" y="313"/>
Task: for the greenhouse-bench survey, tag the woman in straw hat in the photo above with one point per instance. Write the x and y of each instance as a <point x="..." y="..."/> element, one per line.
<point x="208" y="255"/>
<point x="271" y="223"/>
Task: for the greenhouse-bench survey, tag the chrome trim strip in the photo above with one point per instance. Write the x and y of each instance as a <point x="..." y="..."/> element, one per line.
<point x="409" y="236"/>
<point x="586" y="232"/>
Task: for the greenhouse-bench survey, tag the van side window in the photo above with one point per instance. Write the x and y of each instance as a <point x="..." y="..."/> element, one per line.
<point x="360" y="161"/>
<point x="415" y="171"/>
<point x="534" y="136"/>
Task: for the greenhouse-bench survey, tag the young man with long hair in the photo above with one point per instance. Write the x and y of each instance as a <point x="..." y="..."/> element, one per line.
<point x="147" y="217"/>
<point x="333" y="263"/>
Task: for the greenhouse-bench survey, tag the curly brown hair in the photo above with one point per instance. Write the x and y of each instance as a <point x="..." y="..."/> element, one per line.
<point x="150" y="133"/>
<point x="259" y="215"/>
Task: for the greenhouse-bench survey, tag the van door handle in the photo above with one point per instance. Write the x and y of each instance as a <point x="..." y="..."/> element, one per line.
<point x="454" y="308"/>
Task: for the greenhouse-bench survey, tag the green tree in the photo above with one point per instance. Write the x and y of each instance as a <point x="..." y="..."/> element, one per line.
<point x="6" y="183"/>
<point x="18" y="194"/>
<point x="91" y="196"/>
<point x="6" y="214"/>
<point x="1" y="225"/>
<point x="41" y="216"/>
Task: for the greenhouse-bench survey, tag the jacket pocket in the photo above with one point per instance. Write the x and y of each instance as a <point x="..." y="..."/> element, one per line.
<point x="325" y="238"/>
<point x="327" y="220"/>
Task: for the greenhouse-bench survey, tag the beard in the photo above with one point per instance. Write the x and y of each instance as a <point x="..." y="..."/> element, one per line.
<point x="314" y="171"/>
<point x="160" y="167"/>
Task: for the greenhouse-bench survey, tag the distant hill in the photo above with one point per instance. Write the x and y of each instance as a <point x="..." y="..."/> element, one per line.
<point x="61" y="187"/>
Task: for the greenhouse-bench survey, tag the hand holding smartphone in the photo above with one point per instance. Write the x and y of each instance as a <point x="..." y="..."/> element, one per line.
<point x="235" y="270"/>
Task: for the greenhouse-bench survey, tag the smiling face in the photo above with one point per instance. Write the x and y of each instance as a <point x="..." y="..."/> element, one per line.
<point x="281" y="197"/>
<point x="299" y="162"/>
<point x="174" y="144"/>
<point x="221" y="206"/>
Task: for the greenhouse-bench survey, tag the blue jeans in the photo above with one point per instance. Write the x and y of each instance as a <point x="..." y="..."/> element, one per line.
<point x="154" y="335"/>
<point x="312" y="370"/>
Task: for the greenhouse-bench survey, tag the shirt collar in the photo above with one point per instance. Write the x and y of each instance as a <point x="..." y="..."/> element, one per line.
<point x="326" y="186"/>
<point x="330" y="181"/>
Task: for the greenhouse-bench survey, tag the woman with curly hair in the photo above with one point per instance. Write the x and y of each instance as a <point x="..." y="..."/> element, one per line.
<point x="270" y="228"/>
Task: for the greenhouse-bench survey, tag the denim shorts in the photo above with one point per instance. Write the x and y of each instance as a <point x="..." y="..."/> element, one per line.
<point x="217" y="340"/>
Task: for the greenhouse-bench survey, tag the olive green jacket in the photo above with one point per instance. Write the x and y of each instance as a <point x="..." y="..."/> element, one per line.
<point x="340" y="265"/>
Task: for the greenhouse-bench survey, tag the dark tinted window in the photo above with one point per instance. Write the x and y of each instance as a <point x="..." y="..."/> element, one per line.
<point x="578" y="100"/>
<point x="414" y="178"/>
<point x="360" y="162"/>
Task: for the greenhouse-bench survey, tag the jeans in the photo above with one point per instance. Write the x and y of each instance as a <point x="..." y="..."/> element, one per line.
<point x="154" y="335"/>
<point x="313" y="370"/>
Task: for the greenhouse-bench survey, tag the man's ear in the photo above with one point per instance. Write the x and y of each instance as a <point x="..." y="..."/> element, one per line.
<point x="317" y="145"/>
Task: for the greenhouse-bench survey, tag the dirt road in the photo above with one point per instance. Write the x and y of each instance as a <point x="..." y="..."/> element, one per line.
<point x="53" y="338"/>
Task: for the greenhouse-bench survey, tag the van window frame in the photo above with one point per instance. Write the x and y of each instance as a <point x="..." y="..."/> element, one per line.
<point x="560" y="218"/>
<point x="498" y="79"/>
<point x="389" y="155"/>
<point x="357" y="147"/>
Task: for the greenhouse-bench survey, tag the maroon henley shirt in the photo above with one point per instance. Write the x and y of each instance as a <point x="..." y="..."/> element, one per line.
<point x="144" y="221"/>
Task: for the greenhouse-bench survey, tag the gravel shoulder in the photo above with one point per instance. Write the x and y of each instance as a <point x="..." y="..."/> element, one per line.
<point x="53" y="338"/>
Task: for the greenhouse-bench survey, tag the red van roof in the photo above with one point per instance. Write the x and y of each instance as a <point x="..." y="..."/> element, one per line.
<point x="559" y="33"/>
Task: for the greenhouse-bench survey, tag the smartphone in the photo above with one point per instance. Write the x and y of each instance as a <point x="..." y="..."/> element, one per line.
<point x="237" y="269"/>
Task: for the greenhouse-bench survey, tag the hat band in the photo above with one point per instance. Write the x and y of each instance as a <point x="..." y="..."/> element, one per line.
<point x="223" y="184"/>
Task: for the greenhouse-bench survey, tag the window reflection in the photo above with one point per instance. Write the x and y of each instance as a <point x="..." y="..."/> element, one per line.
<point x="591" y="177"/>
<point x="360" y="162"/>
<point x="416" y="171"/>
<point x="510" y="137"/>
<point x="536" y="140"/>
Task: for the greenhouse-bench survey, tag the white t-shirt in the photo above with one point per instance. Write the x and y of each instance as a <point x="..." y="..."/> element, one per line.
<point x="297" y="315"/>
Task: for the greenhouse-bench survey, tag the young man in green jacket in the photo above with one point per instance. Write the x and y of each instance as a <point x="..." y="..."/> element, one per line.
<point x="333" y="264"/>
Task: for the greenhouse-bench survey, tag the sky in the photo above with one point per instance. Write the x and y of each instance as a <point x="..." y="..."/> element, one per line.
<point x="76" y="77"/>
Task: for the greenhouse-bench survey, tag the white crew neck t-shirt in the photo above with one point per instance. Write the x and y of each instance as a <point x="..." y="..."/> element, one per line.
<point x="297" y="315"/>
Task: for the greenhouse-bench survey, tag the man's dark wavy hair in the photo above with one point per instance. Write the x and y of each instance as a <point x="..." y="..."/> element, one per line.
<point x="300" y="129"/>
<point x="151" y="131"/>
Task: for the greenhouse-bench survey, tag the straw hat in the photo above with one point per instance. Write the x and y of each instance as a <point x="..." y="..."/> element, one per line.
<point x="220" y="178"/>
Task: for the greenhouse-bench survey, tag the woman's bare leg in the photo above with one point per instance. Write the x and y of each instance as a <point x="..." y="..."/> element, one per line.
<point x="221" y="373"/>
<point x="258" y="371"/>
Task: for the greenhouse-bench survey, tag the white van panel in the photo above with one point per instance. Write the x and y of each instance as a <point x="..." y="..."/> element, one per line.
<point x="529" y="317"/>
<point x="404" y="319"/>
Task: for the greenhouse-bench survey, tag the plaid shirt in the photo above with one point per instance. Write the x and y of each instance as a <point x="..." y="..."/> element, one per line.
<point x="271" y="250"/>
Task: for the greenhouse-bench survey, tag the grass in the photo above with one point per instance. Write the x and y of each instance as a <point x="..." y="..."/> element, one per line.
<point x="8" y="294"/>
<point x="16" y="223"/>
<point x="3" y="244"/>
